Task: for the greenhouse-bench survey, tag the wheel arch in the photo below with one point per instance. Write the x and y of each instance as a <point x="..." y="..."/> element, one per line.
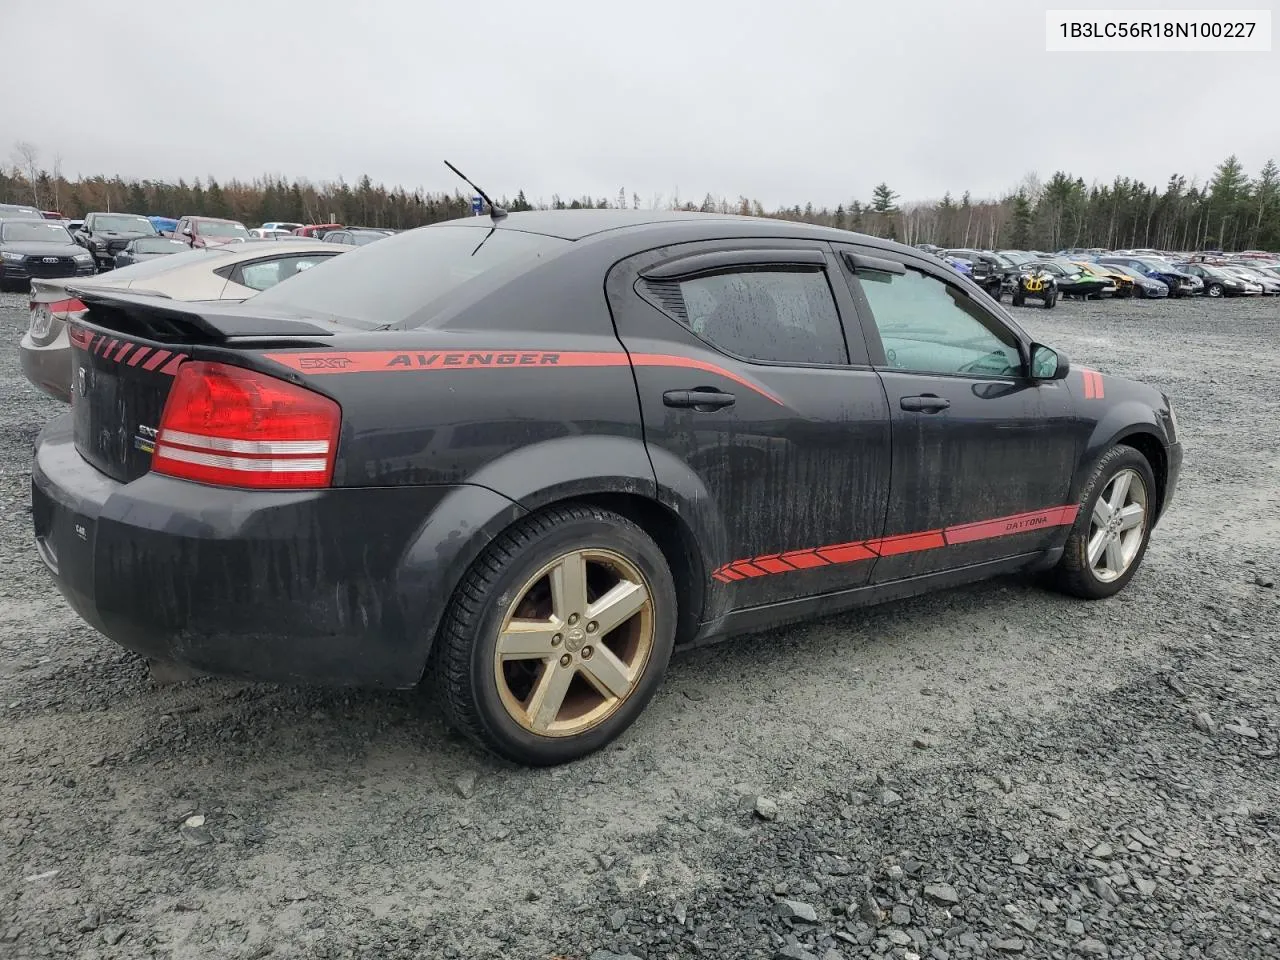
<point x="557" y="473"/>
<point x="1131" y="425"/>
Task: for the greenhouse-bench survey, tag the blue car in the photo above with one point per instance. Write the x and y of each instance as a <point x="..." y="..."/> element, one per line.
<point x="1180" y="284"/>
<point x="164" y="224"/>
<point x="960" y="265"/>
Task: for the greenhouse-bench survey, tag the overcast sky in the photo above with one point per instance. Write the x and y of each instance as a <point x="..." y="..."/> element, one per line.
<point x="809" y="100"/>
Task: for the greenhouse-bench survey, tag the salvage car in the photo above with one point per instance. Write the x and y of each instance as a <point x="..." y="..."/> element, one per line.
<point x="1072" y="281"/>
<point x="355" y="236"/>
<point x="732" y="423"/>
<point x="148" y="248"/>
<point x="1268" y="285"/>
<point x="1121" y="284"/>
<point x="209" y="231"/>
<point x="1178" y="282"/>
<point x="38" y="248"/>
<point x="1036" y="282"/>
<point x="16" y="211"/>
<point x="106" y="234"/>
<point x="1218" y="282"/>
<point x="987" y="270"/>
<point x="227" y="273"/>
<point x="1144" y="287"/>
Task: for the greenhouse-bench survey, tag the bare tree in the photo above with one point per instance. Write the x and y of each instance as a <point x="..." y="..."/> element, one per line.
<point x="25" y="157"/>
<point x="57" y="181"/>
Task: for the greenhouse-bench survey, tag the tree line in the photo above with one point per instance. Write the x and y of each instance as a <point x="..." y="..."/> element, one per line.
<point x="1231" y="211"/>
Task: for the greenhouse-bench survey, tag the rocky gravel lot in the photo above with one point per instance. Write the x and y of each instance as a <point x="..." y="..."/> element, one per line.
<point x="991" y="772"/>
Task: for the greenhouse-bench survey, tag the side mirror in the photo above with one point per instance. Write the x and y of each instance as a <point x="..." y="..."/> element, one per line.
<point x="187" y="232"/>
<point x="1048" y="364"/>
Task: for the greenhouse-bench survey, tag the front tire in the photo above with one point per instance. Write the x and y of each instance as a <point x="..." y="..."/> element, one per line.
<point x="1051" y="299"/>
<point x="1215" y="290"/>
<point x="1112" y="529"/>
<point x="558" y="636"/>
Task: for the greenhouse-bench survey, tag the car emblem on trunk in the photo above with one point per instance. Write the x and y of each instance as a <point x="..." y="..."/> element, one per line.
<point x="82" y="382"/>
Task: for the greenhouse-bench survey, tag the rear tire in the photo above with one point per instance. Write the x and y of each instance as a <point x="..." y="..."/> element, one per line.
<point x="1115" y="558"/>
<point x="527" y="663"/>
<point x="1019" y="298"/>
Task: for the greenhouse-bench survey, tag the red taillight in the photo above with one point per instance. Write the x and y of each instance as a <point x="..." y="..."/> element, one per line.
<point x="66" y="306"/>
<point x="233" y="427"/>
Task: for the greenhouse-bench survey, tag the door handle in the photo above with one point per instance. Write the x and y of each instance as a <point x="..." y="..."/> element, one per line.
<point x="927" y="403"/>
<point x="703" y="399"/>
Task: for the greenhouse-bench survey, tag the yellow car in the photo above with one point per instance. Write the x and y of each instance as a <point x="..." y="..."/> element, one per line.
<point x="1123" y="284"/>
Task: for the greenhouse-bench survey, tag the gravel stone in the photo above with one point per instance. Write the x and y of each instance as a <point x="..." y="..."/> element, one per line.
<point x="942" y="893"/>
<point x="797" y="910"/>
<point x="766" y="809"/>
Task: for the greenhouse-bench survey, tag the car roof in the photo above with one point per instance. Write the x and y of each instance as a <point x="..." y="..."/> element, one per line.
<point x="585" y="225"/>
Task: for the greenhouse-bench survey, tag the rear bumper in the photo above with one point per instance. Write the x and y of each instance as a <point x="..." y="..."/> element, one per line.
<point x="48" y="366"/>
<point x="333" y="586"/>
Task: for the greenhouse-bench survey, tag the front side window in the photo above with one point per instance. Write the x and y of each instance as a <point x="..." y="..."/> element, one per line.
<point x="267" y="273"/>
<point x="928" y="326"/>
<point x="777" y="314"/>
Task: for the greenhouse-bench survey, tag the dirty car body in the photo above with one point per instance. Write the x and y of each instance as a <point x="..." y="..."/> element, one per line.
<point x="612" y="359"/>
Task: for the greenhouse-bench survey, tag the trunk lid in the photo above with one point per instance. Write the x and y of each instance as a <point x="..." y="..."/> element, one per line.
<point x="118" y="388"/>
<point x="126" y="350"/>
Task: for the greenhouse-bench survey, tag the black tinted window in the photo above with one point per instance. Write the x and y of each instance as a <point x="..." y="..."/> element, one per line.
<point x="392" y="280"/>
<point x="786" y="316"/>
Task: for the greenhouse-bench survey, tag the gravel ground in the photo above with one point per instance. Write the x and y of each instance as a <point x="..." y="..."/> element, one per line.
<point x="992" y="771"/>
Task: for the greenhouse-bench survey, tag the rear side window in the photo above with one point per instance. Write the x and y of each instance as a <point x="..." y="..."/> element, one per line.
<point x="267" y="273"/>
<point x="394" y="280"/>
<point x="776" y="315"/>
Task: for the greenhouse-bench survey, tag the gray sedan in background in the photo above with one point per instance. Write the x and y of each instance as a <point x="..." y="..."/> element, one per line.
<point x="227" y="273"/>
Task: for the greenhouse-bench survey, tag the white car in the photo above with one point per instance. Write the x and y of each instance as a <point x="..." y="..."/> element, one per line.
<point x="269" y="233"/>
<point x="230" y="272"/>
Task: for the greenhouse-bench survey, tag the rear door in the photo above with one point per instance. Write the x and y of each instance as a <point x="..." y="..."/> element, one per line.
<point x="982" y="456"/>
<point x="746" y="378"/>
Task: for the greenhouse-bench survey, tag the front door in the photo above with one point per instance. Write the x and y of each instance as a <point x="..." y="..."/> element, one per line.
<point x="982" y="455"/>
<point x="751" y="394"/>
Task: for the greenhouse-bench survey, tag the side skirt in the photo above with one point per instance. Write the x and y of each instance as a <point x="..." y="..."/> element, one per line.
<point x="771" y="615"/>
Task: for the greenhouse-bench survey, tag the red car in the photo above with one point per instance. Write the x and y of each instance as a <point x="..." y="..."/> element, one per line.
<point x="52" y="214"/>
<point x="210" y="231"/>
<point x="316" y="230"/>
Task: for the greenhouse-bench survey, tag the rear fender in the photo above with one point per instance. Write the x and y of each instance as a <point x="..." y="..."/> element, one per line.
<point x="459" y="528"/>
<point x="577" y="467"/>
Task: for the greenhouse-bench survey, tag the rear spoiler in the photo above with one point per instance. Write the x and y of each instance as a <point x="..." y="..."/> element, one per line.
<point x="163" y="319"/>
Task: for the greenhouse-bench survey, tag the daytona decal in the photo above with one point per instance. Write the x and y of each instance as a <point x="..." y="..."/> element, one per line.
<point x="894" y="546"/>
<point x="396" y="361"/>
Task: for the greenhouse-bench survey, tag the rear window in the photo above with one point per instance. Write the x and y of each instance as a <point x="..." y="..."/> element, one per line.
<point x="388" y="282"/>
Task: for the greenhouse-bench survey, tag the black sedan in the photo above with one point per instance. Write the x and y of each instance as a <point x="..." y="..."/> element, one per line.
<point x="1217" y="282"/>
<point x="528" y="457"/>
<point x="148" y="248"/>
<point x="38" y="249"/>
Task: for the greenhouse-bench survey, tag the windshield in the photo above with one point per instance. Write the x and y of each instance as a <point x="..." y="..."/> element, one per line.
<point x="9" y="210"/>
<point x="1160" y="266"/>
<point x="122" y="224"/>
<point x="1005" y="260"/>
<point x="218" y="228"/>
<point x="18" y="231"/>
<point x="387" y="282"/>
<point x="158" y="245"/>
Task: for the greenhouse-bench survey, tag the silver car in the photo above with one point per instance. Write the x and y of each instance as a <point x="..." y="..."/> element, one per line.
<point x="227" y="273"/>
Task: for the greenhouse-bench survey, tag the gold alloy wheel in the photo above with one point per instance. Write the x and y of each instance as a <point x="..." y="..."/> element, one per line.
<point x="574" y="643"/>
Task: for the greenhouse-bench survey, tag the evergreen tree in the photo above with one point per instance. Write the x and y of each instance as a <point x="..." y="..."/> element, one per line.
<point x="883" y="200"/>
